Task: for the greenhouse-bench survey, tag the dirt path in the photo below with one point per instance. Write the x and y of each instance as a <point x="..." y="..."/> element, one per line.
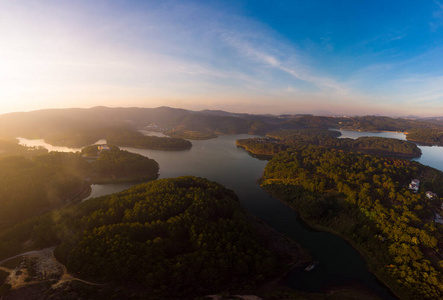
<point x="5" y="269"/>
<point x="27" y="253"/>
<point x="68" y="277"/>
<point x="39" y="265"/>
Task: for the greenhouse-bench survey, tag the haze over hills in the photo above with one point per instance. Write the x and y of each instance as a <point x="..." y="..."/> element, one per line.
<point x="79" y="127"/>
<point x="284" y="138"/>
<point x="335" y="104"/>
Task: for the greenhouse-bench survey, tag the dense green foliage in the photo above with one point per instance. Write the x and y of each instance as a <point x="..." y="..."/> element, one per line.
<point x="382" y="146"/>
<point x="113" y="164"/>
<point x="121" y="135"/>
<point x="116" y="163"/>
<point x="190" y="134"/>
<point x="426" y="136"/>
<point x="8" y="148"/>
<point x="263" y="146"/>
<point x="378" y="123"/>
<point x="311" y="135"/>
<point x="130" y="138"/>
<point x="365" y="198"/>
<point x="30" y="185"/>
<point x="423" y="131"/>
<point x="281" y="140"/>
<point x="186" y="230"/>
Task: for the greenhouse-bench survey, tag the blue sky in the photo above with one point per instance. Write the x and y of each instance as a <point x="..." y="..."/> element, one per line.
<point x="343" y="57"/>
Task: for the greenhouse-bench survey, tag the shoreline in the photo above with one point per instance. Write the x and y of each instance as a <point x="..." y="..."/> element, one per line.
<point x="318" y="227"/>
<point x="420" y="143"/>
<point x="363" y="151"/>
<point x="105" y="180"/>
<point x="372" y="131"/>
<point x="259" y="156"/>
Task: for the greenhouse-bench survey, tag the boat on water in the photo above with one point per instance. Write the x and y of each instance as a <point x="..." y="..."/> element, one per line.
<point x="311" y="266"/>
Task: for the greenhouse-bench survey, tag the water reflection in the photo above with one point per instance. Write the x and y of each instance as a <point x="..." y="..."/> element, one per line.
<point x="222" y="161"/>
<point x="386" y="134"/>
<point x="42" y="143"/>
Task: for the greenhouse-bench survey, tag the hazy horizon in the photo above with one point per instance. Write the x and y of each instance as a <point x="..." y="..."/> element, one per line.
<point x="313" y="112"/>
<point x="237" y="56"/>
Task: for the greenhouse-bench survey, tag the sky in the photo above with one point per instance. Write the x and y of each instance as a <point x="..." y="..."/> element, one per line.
<point x="339" y="57"/>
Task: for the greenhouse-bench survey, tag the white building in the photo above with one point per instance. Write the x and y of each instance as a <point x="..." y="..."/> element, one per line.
<point x="431" y="195"/>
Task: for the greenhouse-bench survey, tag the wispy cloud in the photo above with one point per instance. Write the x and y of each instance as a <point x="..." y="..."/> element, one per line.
<point x="291" y="64"/>
<point x="437" y="16"/>
<point x="196" y="54"/>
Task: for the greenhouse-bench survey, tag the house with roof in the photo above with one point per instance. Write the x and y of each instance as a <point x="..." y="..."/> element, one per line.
<point x="414" y="185"/>
<point x="431" y="195"/>
<point x="103" y="148"/>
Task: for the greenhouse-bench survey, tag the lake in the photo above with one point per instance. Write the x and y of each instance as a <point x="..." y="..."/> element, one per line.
<point x="42" y="143"/>
<point x="431" y="155"/>
<point x="222" y="161"/>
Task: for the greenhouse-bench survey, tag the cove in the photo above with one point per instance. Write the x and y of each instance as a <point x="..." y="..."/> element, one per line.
<point x="220" y="160"/>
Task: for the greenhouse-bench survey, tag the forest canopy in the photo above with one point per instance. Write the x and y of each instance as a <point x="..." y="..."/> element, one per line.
<point x="113" y="164"/>
<point x="28" y="186"/>
<point x="34" y="185"/>
<point x="185" y="230"/>
<point x="281" y="140"/>
<point x="366" y="199"/>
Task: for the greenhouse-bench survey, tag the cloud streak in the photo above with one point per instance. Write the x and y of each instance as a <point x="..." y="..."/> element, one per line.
<point x="195" y="55"/>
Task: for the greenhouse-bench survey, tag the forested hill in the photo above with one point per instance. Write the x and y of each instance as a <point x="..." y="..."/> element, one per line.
<point x="82" y="127"/>
<point x="365" y="198"/>
<point x="187" y="231"/>
<point x="37" y="184"/>
<point x="114" y="165"/>
<point x="29" y="186"/>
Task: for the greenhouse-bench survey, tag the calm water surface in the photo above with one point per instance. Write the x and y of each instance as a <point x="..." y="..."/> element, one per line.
<point x="42" y="143"/>
<point x="220" y="160"/>
<point x="386" y="134"/>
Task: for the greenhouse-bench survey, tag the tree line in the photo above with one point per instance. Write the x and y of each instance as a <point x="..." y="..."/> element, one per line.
<point x="366" y="199"/>
<point x="32" y="185"/>
<point x="187" y="231"/>
<point x="281" y="140"/>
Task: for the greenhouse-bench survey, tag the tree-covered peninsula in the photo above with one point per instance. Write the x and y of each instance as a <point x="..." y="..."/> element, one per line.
<point x="36" y="184"/>
<point x="281" y="140"/>
<point x="29" y="186"/>
<point x="129" y="138"/>
<point x="111" y="164"/>
<point x="173" y="238"/>
<point x="366" y="199"/>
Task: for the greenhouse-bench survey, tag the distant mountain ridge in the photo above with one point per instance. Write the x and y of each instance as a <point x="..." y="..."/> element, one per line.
<point x="94" y="122"/>
<point x="80" y="127"/>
